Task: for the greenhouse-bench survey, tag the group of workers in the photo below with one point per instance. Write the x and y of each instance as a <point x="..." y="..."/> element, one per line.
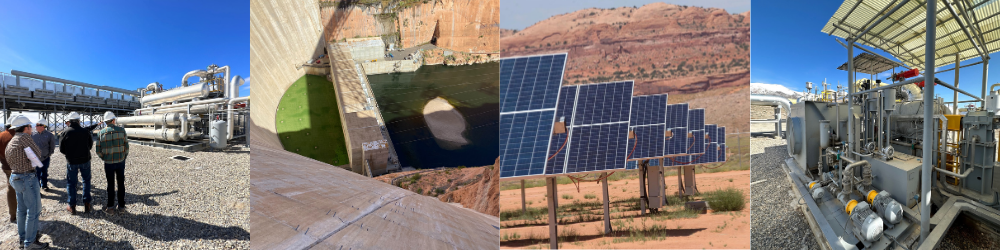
<point x="25" y="156"/>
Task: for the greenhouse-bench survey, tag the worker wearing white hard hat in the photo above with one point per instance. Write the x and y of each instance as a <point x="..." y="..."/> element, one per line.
<point x="5" y="138"/>
<point x="112" y="148"/>
<point x="22" y="154"/>
<point x="46" y="142"/>
<point x="75" y="144"/>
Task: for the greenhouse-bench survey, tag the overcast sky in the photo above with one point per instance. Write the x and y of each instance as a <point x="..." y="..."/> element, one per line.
<point x="519" y="14"/>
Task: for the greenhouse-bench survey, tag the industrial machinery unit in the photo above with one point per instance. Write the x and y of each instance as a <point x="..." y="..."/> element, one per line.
<point x="889" y="165"/>
<point x="209" y="111"/>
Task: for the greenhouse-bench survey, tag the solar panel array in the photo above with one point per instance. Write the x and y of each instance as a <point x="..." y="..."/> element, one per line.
<point x="529" y="89"/>
<point x="597" y="127"/>
<point x="593" y="123"/>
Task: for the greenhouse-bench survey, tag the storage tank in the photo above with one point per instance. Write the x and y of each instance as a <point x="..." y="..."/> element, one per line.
<point x="218" y="134"/>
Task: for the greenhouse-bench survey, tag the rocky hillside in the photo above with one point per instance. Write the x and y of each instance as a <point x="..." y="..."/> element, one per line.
<point x="698" y="55"/>
<point x="666" y="48"/>
<point x="483" y="196"/>
<point x="469" y="26"/>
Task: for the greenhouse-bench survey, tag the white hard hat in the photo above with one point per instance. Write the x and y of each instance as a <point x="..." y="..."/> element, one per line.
<point x="74" y="116"/>
<point x="109" y="116"/>
<point x="19" y="120"/>
<point x="42" y="121"/>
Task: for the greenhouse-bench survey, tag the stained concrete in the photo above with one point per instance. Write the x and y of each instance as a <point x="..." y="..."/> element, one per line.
<point x="300" y="203"/>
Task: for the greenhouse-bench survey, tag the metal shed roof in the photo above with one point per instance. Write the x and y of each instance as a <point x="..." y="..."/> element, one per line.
<point x="870" y="64"/>
<point x="903" y="32"/>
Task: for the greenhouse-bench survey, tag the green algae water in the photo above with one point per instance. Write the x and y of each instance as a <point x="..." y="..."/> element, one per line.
<point x="474" y="92"/>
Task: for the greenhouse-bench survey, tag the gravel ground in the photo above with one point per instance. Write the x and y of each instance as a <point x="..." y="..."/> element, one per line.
<point x="200" y="203"/>
<point x="776" y="223"/>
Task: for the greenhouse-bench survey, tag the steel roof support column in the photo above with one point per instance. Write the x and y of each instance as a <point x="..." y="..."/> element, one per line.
<point x="928" y="144"/>
<point x="954" y="100"/>
<point x="986" y="73"/>
<point x="850" y="102"/>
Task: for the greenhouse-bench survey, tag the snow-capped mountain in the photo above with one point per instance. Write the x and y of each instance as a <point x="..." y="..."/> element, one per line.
<point x="774" y="89"/>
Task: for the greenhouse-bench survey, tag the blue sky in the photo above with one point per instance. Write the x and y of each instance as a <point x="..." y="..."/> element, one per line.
<point x="125" y="44"/>
<point x="519" y="14"/>
<point x="787" y="48"/>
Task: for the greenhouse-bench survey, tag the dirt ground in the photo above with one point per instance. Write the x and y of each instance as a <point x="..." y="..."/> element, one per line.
<point x="670" y="228"/>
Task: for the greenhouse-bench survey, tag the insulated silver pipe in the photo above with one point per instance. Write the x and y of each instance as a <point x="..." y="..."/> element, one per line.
<point x="209" y="101"/>
<point x="229" y="121"/>
<point x="197" y="72"/>
<point x="925" y="179"/>
<point x="166" y="119"/>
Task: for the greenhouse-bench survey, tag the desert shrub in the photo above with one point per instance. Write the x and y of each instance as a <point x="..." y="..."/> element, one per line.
<point x="729" y="199"/>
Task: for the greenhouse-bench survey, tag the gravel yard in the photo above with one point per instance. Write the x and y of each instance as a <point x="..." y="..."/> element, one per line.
<point x="200" y="203"/>
<point x="776" y="223"/>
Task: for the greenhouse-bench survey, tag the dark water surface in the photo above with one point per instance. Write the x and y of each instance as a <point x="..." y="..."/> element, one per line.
<point x="472" y="89"/>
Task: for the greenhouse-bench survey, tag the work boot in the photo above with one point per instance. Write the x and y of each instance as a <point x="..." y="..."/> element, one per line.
<point x="109" y="210"/>
<point x="71" y="209"/>
<point x="87" y="208"/>
<point x="38" y="245"/>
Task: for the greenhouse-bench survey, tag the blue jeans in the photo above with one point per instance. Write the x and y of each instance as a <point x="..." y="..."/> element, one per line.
<point x="43" y="173"/>
<point x="29" y="203"/>
<point x="71" y="170"/>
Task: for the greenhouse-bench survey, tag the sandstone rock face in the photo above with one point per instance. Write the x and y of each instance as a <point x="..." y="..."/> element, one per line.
<point x="698" y="55"/>
<point x="469" y="26"/>
<point x="483" y="196"/>
<point x="666" y="48"/>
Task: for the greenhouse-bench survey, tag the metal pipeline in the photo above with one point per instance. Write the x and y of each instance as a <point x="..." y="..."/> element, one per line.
<point x="164" y="134"/>
<point x="229" y="120"/>
<point x="197" y="72"/>
<point x="770" y="100"/>
<point x="177" y="94"/>
<point x="209" y="101"/>
<point x="166" y="119"/>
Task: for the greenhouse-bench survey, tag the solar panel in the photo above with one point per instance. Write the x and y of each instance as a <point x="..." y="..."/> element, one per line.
<point x="528" y="83"/>
<point x="564" y="114"/>
<point x="712" y="133"/>
<point x="529" y="91"/>
<point x="648" y="122"/>
<point x="648" y="142"/>
<point x="678" y="143"/>
<point x="711" y="154"/>
<point x="722" y="135"/>
<point x="648" y="110"/>
<point x="603" y="103"/>
<point x="598" y="127"/>
<point x="696" y="142"/>
<point x="722" y="152"/>
<point x="597" y="148"/>
<point x="677" y="115"/>
<point x="523" y="139"/>
<point x="696" y="119"/>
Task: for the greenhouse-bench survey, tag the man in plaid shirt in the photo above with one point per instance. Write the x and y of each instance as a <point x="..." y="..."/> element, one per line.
<point x="112" y="147"/>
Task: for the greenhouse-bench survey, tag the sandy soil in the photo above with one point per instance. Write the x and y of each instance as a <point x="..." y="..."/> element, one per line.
<point x="713" y="230"/>
<point x="445" y="123"/>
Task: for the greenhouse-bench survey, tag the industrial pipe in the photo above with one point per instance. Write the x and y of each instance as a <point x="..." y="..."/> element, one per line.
<point x="197" y="72"/>
<point x="953" y="174"/>
<point x="167" y="119"/>
<point x="177" y="94"/>
<point x="770" y="100"/>
<point x="925" y="180"/>
<point x="164" y="134"/>
<point x="230" y="114"/>
<point x="209" y="101"/>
